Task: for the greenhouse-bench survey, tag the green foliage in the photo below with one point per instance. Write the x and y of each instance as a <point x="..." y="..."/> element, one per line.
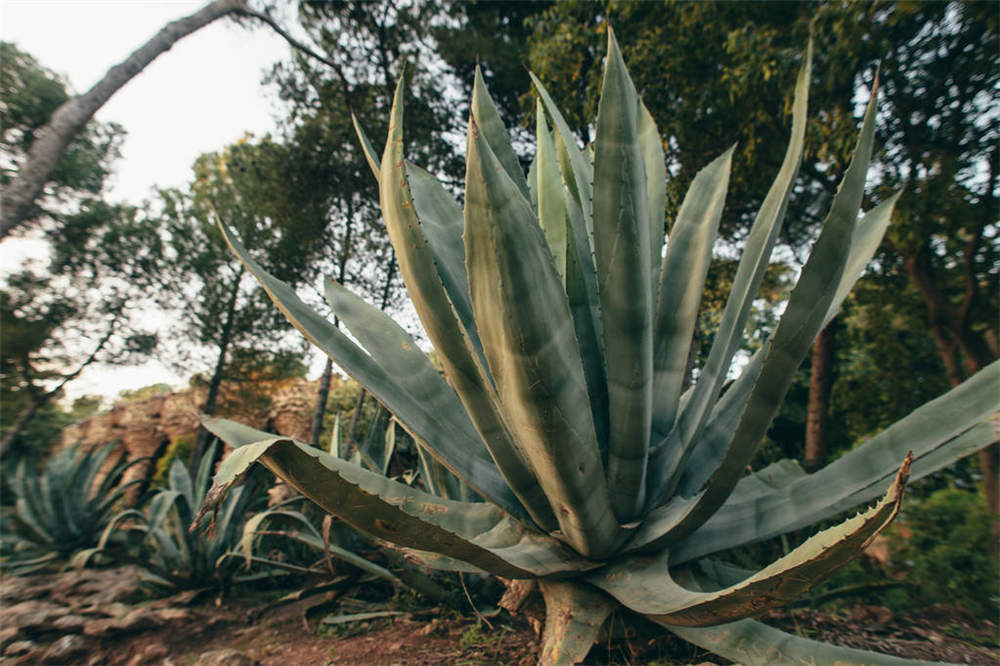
<point x="144" y="392"/>
<point x="77" y="309"/>
<point x="947" y="556"/>
<point x="161" y="542"/>
<point x="564" y="331"/>
<point x="62" y="507"/>
<point x="29" y="94"/>
<point x="179" y="448"/>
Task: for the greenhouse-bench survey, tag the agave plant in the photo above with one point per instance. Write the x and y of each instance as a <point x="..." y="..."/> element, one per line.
<point x="564" y="328"/>
<point x="171" y="557"/>
<point x="62" y="508"/>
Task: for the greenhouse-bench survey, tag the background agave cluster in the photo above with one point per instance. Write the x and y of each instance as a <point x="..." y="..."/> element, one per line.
<point x="564" y="330"/>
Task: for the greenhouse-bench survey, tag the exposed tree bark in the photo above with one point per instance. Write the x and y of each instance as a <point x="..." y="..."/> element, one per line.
<point x="951" y="330"/>
<point x="215" y="383"/>
<point x="817" y="412"/>
<point x="20" y="195"/>
<point x="322" y="397"/>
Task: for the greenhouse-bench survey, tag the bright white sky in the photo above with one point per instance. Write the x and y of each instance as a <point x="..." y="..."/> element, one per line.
<point x="201" y="95"/>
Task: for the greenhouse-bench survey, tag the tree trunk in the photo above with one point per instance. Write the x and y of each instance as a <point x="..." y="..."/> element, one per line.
<point x="322" y="396"/>
<point x="201" y="442"/>
<point x="950" y="327"/>
<point x="817" y="413"/>
<point x="352" y="429"/>
<point x="20" y="195"/>
<point x="386" y="292"/>
<point x="17" y="426"/>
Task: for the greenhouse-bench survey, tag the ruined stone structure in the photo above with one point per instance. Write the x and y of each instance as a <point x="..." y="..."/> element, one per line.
<point x="146" y="428"/>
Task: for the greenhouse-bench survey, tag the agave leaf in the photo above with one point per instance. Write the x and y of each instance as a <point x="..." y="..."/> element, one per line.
<point x="581" y="291"/>
<point x="180" y="481"/>
<point x="493" y="130"/>
<point x="753" y="643"/>
<point x="581" y="276"/>
<point x="865" y="241"/>
<point x="29" y="504"/>
<point x="479" y="533"/>
<point x="711" y="446"/>
<point x="575" y="165"/>
<point x="390" y="446"/>
<point x="938" y="433"/>
<point x="440" y="562"/>
<point x="203" y="477"/>
<point x="250" y="529"/>
<point x="565" y="232"/>
<point x="408" y="407"/>
<point x="461" y="362"/>
<point x="529" y="340"/>
<point x="756" y="644"/>
<point x="646" y="586"/>
<point x="371" y="155"/>
<point x="336" y="448"/>
<point x="373" y="446"/>
<point x="655" y="166"/>
<point x="682" y="281"/>
<point x="666" y="457"/>
<point x="803" y="319"/>
<point x="441" y="223"/>
<point x="307" y="535"/>
<point x="624" y="278"/>
<point x="403" y="359"/>
<point x="551" y="204"/>
<point x="574" y="615"/>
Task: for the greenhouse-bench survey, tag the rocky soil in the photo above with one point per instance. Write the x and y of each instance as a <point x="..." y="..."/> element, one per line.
<point x="104" y="617"/>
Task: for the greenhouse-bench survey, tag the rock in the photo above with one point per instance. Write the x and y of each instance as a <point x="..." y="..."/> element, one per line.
<point x="138" y="619"/>
<point x="7" y="636"/>
<point x="227" y="657"/>
<point x="64" y="648"/>
<point x="167" y="615"/>
<point x="98" y="628"/>
<point x="151" y="654"/>
<point x="70" y="623"/>
<point x="14" y="589"/>
<point x="18" y="648"/>
<point x="108" y="610"/>
<point x="147" y="427"/>
<point x="31" y="615"/>
<point x="110" y="586"/>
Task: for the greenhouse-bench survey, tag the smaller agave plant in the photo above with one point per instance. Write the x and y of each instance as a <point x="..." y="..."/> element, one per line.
<point x="63" y="507"/>
<point x="564" y="328"/>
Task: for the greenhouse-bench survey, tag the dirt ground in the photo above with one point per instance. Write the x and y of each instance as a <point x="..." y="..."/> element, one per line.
<point x="104" y="618"/>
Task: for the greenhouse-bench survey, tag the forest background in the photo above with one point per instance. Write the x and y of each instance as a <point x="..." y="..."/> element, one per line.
<point x="922" y="319"/>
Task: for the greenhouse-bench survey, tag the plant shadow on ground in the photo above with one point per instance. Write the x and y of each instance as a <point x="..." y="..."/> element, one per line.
<point x="75" y="618"/>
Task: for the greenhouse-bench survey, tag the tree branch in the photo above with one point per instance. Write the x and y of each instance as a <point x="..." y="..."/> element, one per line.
<point x="52" y="140"/>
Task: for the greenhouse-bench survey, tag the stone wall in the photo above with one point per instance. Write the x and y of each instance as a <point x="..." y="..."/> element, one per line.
<point x="145" y="427"/>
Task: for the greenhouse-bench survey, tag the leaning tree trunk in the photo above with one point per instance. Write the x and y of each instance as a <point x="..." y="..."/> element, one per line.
<point x="20" y="195"/>
<point x="817" y="413"/>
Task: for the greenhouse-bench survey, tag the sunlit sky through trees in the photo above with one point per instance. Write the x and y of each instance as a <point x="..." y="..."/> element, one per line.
<point x="201" y="95"/>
